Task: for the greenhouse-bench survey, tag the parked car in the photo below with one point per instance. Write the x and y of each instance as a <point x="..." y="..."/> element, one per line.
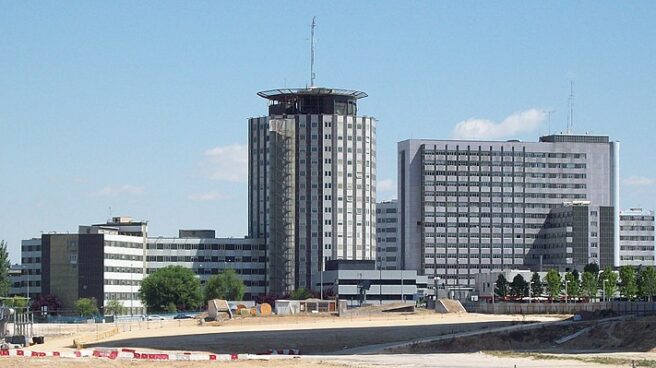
<point x="155" y="317"/>
<point x="182" y="316"/>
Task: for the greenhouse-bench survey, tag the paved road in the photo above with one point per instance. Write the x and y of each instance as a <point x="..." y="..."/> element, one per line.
<point x="379" y="348"/>
<point x="315" y="341"/>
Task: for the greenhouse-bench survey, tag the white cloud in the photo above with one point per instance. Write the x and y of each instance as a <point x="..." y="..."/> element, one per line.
<point x="226" y="163"/>
<point x="517" y="123"/>
<point x="386" y="187"/>
<point x="112" y="191"/>
<point x="206" y="197"/>
<point x="639" y="181"/>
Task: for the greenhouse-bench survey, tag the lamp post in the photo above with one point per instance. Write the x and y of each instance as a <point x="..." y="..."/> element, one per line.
<point x="27" y="276"/>
<point x="603" y="290"/>
<point x="494" y="285"/>
<point x="321" y="279"/>
<point x="402" y="294"/>
<point x="380" y="283"/>
<point x="565" y="290"/>
<point x="131" y="290"/>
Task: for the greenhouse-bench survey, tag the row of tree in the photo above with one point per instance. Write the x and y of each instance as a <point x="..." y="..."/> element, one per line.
<point x="175" y="288"/>
<point x="631" y="283"/>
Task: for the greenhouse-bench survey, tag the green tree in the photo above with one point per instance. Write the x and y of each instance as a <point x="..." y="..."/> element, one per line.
<point x="171" y="284"/>
<point x="608" y="282"/>
<point x="536" y="285"/>
<point x="554" y="283"/>
<point x="16" y="302"/>
<point x="301" y="294"/>
<point x="114" y="307"/>
<point x="171" y="308"/>
<point x="226" y="285"/>
<point x="5" y="264"/>
<point x="589" y="286"/>
<point x="628" y="282"/>
<point x="573" y="288"/>
<point x="501" y="286"/>
<point x="518" y="286"/>
<point x="593" y="268"/>
<point x="647" y="283"/>
<point x="86" y="307"/>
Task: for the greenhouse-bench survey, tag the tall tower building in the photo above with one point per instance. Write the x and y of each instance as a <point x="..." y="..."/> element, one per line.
<point x="312" y="183"/>
<point x="469" y="207"/>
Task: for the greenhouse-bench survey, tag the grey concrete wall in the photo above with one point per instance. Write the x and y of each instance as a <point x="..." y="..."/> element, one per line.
<point x="639" y="308"/>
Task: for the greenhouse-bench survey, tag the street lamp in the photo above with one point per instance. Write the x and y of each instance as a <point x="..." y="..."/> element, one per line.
<point x="494" y="285"/>
<point x="565" y="290"/>
<point x="321" y="279"/>
<point x="402" y="294"/>
<point x="27" y="274"/>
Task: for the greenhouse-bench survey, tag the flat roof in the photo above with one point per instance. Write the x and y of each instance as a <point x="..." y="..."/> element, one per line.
<point x="281" y="94"/>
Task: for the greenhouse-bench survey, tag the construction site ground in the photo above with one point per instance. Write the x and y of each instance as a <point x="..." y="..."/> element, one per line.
<point x="330" y="341"/>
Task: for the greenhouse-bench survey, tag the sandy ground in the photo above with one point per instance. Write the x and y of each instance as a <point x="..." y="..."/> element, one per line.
<point x="474" y="360"/>
<point x="312" y="335"/>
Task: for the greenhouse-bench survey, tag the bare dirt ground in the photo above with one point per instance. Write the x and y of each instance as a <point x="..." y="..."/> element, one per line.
<point x="323" y="335"/>
<point x="312" y="335"/>
<point x="471" y="360"/>
<point x="625" y="335"/>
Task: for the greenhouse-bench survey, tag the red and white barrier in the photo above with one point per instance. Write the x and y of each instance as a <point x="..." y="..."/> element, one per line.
<point x="132" y="354"/>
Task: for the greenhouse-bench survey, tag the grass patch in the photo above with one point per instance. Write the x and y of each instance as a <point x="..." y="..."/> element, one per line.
<point x="596" y="360"/>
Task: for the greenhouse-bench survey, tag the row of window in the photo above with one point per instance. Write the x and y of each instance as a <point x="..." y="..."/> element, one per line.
<point x="126" y="257"/>
<point x="511" y="195"/>
<point x="214" y="259"/>
<point x="440" y="153"/>
<point x="637" y="238"/>
<point x="482" y="236"/>
<point x="517" y="174"/>
<point x="506" y="184"/>
<point x="197" y="246"/>
<point x="637" y="228"/>
<point x="120" y="244"/>
<point x="636" y="248"/>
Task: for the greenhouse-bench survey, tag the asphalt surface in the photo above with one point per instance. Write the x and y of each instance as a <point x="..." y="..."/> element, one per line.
<point x="314" y="341"/>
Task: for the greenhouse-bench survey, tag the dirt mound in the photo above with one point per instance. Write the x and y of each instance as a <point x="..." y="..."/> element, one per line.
<point x="630" y="335"/>
<point x="634" y="334"/>
<point x="449" y="306"/>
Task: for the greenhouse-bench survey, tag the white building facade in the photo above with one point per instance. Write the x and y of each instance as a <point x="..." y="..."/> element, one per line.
<point x="469" y="207"/>
<point x="312" y="183"/>
<point x="637" y="237"/>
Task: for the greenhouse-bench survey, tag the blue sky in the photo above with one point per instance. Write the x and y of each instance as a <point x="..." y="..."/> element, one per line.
<point x="142" y="106"/>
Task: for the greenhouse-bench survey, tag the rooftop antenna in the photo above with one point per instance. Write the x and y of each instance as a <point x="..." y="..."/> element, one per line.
<point x="570" y="122"/>
<point x="312" y="76"/>
<point x="549" y="113"/>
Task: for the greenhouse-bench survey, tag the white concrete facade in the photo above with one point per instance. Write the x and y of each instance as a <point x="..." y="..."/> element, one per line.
<point x="469" y="207"/>
<point x="637" y="237"/>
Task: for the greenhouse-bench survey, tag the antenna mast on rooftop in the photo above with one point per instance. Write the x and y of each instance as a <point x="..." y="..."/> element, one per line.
<point x="570" y="120"/>
<point x="312" y="76"/>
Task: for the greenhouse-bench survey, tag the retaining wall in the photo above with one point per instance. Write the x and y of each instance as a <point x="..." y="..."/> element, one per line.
<point x="636" y="308"/>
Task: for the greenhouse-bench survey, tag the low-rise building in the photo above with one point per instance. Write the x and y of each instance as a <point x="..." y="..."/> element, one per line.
<point x="207" y="256"/>
<point x="359" y="282"/>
